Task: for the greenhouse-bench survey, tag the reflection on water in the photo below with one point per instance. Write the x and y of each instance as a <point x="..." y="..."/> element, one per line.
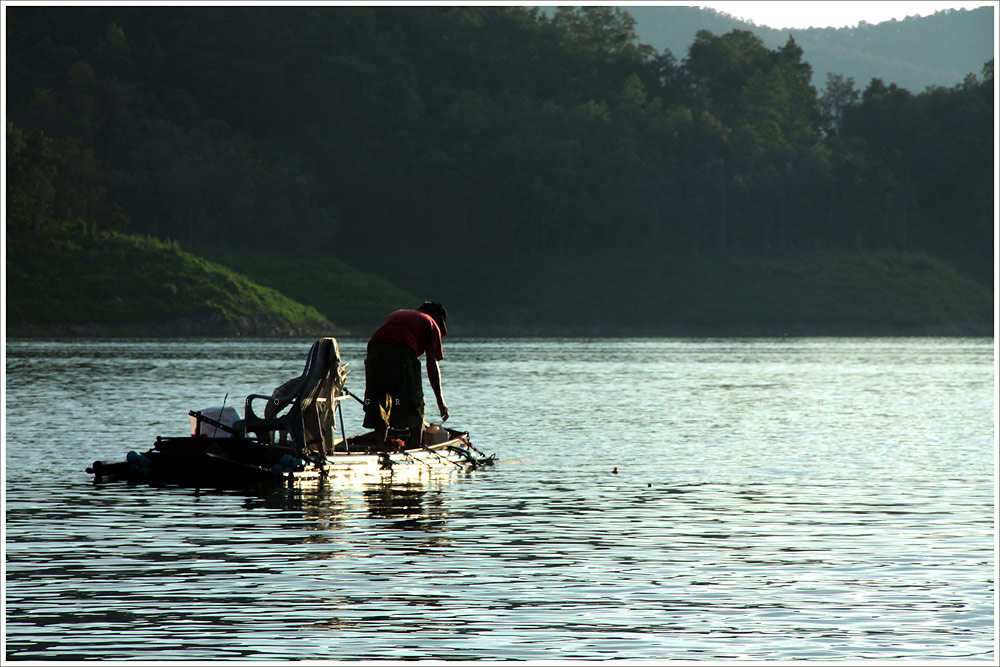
<point x="784" y="499"/>
<point x="409" y="505"/>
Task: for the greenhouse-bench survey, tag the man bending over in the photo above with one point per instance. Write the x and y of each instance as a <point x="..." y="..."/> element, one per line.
<point x="394" y="395"/>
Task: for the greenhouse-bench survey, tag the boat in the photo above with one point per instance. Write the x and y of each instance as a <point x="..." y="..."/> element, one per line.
<point x="294" y="442"/>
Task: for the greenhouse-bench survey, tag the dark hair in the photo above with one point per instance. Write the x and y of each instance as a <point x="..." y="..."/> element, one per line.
<point x="438" y="312"/>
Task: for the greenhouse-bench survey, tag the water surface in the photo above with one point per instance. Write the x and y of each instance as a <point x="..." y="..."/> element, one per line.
<point x="774" y="499"/>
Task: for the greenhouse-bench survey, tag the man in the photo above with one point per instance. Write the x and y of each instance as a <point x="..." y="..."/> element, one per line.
<point x="394" y="394"/>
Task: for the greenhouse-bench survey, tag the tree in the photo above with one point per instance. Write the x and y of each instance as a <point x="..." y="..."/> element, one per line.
<point x="743" y="82"/>
<point x="838" y="97"/>
<point x="54" y="184"/>
<point x="30" y="170"/>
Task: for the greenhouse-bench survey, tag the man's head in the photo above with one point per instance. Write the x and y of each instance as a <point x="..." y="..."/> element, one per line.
<point x="437" y="311"/>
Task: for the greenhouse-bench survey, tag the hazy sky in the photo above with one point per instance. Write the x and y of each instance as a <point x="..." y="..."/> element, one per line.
<point x="837" y="14"/>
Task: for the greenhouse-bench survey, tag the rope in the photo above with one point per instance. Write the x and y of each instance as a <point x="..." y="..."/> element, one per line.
<point x="411" y="456"/>
<point x="465" y="439"/>
<point x="443" y="458"/>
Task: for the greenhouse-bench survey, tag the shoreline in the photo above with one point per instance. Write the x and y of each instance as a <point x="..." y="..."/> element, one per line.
<point x="180" y="328"/>
<point x="194" y="329"/>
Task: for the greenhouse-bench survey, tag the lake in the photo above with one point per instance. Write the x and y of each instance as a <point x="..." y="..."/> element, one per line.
<point x="794" y="498"/>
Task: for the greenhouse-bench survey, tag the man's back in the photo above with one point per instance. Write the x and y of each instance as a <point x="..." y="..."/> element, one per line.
<point x="413" y="328"/>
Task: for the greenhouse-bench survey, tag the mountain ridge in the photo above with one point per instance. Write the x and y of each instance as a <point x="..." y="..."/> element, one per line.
<point x="914" y="53"/>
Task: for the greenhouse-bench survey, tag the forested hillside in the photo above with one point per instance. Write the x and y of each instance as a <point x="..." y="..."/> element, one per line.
<point x="915" y="52"/>
<point x="447" y="146"/>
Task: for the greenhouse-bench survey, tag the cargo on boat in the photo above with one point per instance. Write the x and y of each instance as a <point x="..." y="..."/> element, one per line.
<point x="295" y="441"/>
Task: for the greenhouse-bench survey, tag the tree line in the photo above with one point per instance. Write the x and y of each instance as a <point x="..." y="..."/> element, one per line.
<point x="382" y="133"/>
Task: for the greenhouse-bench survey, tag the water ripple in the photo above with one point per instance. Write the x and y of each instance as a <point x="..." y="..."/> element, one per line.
<point x="792" y="499"/>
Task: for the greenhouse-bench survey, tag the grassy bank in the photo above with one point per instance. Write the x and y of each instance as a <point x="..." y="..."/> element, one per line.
<point x="355" y="300"/>
<point x="128" y="285"/>
<point x="876" y="292"/>
<point x="125" y="284"/>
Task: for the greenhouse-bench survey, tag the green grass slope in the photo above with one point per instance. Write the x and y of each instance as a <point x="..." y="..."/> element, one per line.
<point x="125" y="284"/>
<point x="353" y="299"/>
<point x="875" y="292"/>
<point x="120" y="284"/>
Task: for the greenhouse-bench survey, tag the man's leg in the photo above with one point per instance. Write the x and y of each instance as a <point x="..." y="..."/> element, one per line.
<point x="407" y="406"/>
<point x="380" y="435"/>
<point x="410" y="416"/>
<point x="377" y="401"/>
<point x="415" y="422"/>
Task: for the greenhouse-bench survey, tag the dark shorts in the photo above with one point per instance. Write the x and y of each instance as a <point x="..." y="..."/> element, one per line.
<point x="394" y="395"/>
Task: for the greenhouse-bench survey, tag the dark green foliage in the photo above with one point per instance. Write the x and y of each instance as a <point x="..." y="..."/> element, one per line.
<point x="870" y="292"/>
<point x="54" y="186"/>
<point x="397" y="138"/>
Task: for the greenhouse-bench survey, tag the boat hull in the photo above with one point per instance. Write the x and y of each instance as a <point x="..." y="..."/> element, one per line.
<point x="204" y="462"/>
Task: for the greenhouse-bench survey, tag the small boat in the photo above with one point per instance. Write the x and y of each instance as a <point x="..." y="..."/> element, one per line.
<point x="293" y="446"/>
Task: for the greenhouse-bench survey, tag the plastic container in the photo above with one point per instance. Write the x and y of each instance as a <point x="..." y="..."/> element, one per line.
<point x="435" y="434"/>
<point x="227" y="416"/>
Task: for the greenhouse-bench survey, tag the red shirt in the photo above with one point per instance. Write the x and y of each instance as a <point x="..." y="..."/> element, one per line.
<point x="413" y="328"/>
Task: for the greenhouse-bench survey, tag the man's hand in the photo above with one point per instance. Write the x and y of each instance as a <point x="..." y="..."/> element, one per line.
<point x="443" y="407"/>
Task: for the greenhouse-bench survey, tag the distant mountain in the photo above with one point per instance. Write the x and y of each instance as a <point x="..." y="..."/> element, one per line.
<point x="937" y="50"/>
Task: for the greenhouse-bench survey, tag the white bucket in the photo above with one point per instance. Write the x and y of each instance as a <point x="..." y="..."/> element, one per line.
<point x="227" y="416"/>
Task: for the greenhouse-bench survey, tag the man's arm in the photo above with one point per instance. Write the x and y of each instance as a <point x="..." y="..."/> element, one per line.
<point x="434" y="375"/>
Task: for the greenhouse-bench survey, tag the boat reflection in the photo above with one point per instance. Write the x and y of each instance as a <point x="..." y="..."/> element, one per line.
<point x="326" y="509"/>
<point x="411" y="506"/>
